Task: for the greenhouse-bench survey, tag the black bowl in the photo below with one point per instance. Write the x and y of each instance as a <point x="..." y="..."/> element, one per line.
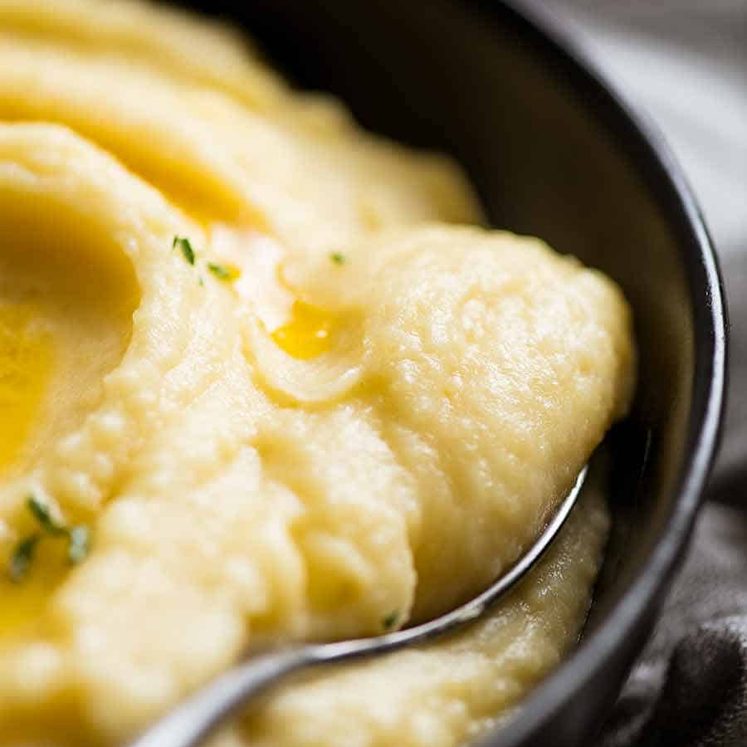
<point x="555" y="152"/>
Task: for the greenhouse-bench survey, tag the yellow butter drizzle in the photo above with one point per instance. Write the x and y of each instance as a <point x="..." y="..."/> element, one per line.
<point x="23" y="602"/>
<point x="308" y="333"/>
<point x="26" y="355"/>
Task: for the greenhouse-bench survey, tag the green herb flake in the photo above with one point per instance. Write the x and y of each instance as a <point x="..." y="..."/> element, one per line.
<point x="78" y="539"/>
<point x="22" y="557"/>
<point x="79" y="544"/>
<point x="338" y="258"/>
<point x="390" y="620"/>
<point x="222" y="272"/>
<point x="43" y="515"/>
<point x="185" y="247"/>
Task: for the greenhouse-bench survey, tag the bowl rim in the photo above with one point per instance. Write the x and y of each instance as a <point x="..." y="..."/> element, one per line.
<point x="642" y="141"/>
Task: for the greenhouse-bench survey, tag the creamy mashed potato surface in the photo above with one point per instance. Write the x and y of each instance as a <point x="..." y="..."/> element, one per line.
<point x="256" y="386"/>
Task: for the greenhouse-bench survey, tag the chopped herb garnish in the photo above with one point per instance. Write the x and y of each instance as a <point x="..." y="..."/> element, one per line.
<point x="221" y="271"/>
<point x="22" y="557"/>
<point x="390" y="620"/>
<point x="338" y="258"/>
<point x="44" y="516"/>
<point x="79" y="545"/>
<point x="185" y="247"/>
<point x="78" y="539"/>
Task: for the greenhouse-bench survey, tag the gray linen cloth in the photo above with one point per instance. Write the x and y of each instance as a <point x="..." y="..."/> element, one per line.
<point x="684" y="63"/>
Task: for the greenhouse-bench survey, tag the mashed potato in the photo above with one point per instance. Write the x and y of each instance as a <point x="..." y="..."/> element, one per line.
<point x="258" y="385"/>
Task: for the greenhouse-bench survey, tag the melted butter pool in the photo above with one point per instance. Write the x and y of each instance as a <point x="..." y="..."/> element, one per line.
<point x="308" y="333"/>
<point x="26" y="360"/>
<point x="26" y="357"/>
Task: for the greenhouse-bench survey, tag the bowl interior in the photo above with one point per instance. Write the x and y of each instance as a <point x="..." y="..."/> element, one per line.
<point x="551" y="156"/>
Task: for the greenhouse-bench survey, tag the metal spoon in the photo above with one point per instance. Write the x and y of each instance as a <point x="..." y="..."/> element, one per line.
<point x="200" y="714"/>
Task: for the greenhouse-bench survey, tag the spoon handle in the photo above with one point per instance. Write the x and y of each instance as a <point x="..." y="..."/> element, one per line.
<point x="200" y="715"/>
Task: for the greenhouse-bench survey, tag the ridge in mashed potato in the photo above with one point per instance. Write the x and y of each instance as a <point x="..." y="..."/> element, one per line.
<point x="263" y="378"/>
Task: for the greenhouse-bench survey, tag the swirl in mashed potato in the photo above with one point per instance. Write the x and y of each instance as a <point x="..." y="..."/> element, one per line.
<point x="247" y="350"/>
